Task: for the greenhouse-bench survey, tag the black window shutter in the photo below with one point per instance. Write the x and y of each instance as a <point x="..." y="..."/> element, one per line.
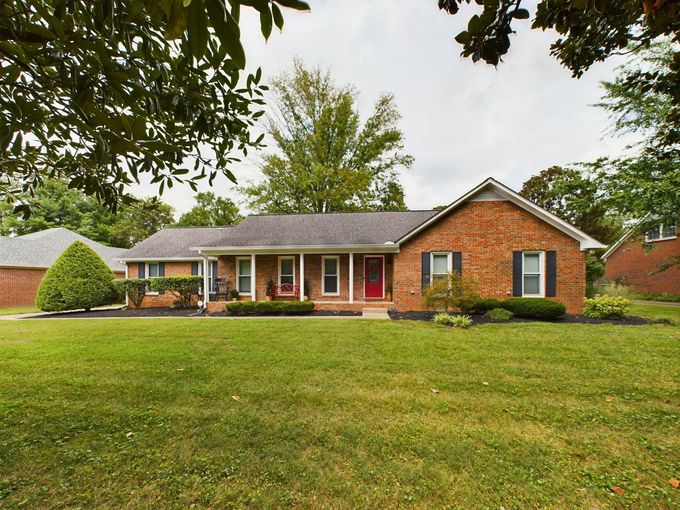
<point x="161" y="273"/>
<point x="214" y="272"/>
<point x="551" y="273"/>
<point x="194" y="268"/>
<point x="458" y="262"/>
<point x="425" y="269"/>
<point x="517" y="273"/>
<point x="141" y="270"/>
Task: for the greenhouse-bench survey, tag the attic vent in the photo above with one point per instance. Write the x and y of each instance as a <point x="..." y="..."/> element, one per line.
<point x="487" y="195"/>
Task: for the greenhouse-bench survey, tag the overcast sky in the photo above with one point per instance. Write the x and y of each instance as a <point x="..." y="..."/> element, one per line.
<point x="462" y="122"/>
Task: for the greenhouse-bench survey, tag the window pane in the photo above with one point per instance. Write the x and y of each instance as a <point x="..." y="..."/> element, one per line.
<point x="244" y="266"/>
<point x="330" y="284"/>
<point x="653" y="234"/>
<point x="153" y="270"/>
<point x="440" y="264"/>
<point x="287" y="266"/>
<point x="244" y="283"/>
<point x="287" y="278"/>
<point x="531" y="284"/>
<point x="330" y="266"/>
<point x="669" y="231"/>
<point x="531" y="263"/>
<point x="374" y="271"/>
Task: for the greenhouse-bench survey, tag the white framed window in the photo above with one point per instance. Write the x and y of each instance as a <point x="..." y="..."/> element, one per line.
<point x="661" y="233"/>
<point x="244" y="275"/>
<point x="287" y="270"/>
<point x="440" y="266"/>
<point x="211" y="276"/>
<point x="533" y="274"/>
<point x="153" y="269"/>
<point x="330" y="279"/>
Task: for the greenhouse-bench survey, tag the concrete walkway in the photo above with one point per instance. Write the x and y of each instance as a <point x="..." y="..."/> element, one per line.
<point x="375" y="313"/>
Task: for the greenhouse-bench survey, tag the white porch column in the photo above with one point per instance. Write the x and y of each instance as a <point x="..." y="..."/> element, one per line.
<point x="253" y="278"/>
<point x="302" y="277"/>
<point x="351" y="277"/>
<point x="206" y="289"/>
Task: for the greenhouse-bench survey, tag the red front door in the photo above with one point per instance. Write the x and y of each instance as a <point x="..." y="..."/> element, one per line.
<point x="374" y="277"/>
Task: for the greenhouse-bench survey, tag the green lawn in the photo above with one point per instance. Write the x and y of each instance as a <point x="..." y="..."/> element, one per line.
<point x="13" y="310"/>
<point x="656" y="311"/>
<point x="337" y="414"/>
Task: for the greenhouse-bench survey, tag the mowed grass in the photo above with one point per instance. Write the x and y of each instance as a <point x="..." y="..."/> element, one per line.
<point x="337" y="414"/>
<point x="656" y="311"/>
<point x="14" y="310"/>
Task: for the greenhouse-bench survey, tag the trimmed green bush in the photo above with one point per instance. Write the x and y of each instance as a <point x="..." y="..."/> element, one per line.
<point x="456" y="321"/>
<point x="184" y="288"/>
<point x="534" y="308"/>
<point x="269" y="307"/>
<point x="606" y="307"/>
<point x="78" y="279"/>
<point x="479" y="305"/>
<point x="134" y="288"/>
<point x="499" y="314"/>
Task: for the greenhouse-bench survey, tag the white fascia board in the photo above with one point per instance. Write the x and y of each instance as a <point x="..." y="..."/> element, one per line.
<point x="585" y="241"/>
<point x="281" y="250"/>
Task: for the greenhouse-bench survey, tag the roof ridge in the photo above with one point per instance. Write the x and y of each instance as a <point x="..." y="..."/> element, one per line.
<point x="339" y="213"/>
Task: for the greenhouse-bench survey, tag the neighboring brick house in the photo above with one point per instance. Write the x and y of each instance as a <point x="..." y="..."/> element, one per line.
<point x="24" y="260"/>
<point x="633" y="263"/>
<point x="509" y="245"/>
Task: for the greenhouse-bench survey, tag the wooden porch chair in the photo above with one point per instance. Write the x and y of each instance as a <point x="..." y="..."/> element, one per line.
<point x="221" y="288"/>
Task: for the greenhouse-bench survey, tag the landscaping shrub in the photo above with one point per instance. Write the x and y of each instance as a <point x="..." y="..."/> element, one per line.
<point x="134" y="288"/>
<point x="534" y="308"/>
<point x="456" y="321"/>
<point x="606" y="307"/>
<point x="78" y="279"/>
<point x="269" y="307"/>
<point x="499" y="314"/>
<point x="450" y="292"/>
<point x="184" y="288"/>
<point x="479" y="305"/>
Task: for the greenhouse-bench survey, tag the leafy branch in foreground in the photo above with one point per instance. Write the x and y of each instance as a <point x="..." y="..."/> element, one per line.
<point x="101" y="93"/>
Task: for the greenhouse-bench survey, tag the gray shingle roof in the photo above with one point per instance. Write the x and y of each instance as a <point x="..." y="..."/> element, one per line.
<point x="174" y="242"/>
<point x="322" y="229"/>
<point x="41" y="249"/>
<point x="283" y="230"/>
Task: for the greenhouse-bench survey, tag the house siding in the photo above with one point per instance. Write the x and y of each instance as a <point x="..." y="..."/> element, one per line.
<point x="632" y="265"/>
<point x="487" y="233"/>
<point x="19" y="286"/>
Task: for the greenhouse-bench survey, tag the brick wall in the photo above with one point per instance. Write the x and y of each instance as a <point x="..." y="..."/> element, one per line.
<point x="633" y="265"/>
<point x="19" y="286"/>
<point x="171" y="269"/>
<point x="487" y="232"/>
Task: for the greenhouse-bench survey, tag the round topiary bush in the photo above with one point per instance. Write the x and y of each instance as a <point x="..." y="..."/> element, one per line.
<point x="78" y="279"/>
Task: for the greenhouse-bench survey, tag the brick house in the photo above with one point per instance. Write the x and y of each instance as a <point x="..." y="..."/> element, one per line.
<point x="25" y="259"/>
<point x="631" y="263"/>
<point x="509" y="245"/>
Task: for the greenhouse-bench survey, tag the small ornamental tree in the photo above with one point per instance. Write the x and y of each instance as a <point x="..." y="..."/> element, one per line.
<point x="184" y="288"/>
<point x="78" y="279"/>
<point x="134" y="288"/>
<point x="452" y="291"/>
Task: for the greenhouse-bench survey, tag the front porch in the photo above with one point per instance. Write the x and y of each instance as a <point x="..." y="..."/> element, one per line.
<point x="334" y="281"/>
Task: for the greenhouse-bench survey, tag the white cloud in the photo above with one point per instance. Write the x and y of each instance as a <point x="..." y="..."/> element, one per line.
<point x="463" y="121"/>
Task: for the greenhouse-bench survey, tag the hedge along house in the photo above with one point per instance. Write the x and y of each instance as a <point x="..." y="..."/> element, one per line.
<point x="346" y="261"/>
<point x="25" y="259"/>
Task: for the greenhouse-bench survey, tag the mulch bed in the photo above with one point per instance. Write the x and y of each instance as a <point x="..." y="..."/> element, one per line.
<point x="483" y="319"/>
<point x="173" y="312"/>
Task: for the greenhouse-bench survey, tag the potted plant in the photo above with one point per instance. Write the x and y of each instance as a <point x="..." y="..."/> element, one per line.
<point x="270" y="287"/>
<point x="233" y="293"/>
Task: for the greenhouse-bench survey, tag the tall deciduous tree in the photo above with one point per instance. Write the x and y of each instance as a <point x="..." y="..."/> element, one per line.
<point x="211" y="211"/>
<point x="56" y="205"/>
<point x="575" y="198"/>
<point x="101" y="92"/>
<point x="327" y="160"/>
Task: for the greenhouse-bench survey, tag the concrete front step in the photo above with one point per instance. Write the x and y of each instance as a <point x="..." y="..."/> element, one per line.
<point x="374" y="313"/>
